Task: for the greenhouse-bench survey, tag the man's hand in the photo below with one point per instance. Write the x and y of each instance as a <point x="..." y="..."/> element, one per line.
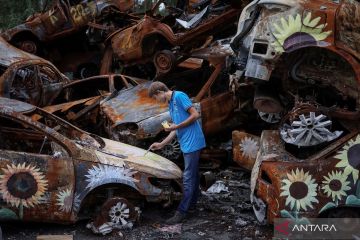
<point x="171" y="128"/>
<point x="156" y="146"/>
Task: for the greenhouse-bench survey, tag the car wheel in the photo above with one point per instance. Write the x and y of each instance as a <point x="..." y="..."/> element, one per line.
<point x="115" y="213"/>
<point x="308" y="129"/>
<point x="171" y="151"/>
<point x="164" y="61"/>
<point x="30" y="46"/>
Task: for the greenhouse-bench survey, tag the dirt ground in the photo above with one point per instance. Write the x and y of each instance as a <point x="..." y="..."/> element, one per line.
<point x="224" y="215"/>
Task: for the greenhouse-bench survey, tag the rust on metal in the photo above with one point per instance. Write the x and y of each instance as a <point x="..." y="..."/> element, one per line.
<point x="50" y="169"/>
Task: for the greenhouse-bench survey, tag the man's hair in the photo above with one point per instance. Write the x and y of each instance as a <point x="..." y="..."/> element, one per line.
<point x="157" y="87"/>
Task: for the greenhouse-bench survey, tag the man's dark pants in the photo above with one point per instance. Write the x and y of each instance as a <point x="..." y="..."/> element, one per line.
<point x="190" y="181"/>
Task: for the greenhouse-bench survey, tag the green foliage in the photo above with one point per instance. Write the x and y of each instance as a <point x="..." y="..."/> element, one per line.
<point x="15" y="12"/>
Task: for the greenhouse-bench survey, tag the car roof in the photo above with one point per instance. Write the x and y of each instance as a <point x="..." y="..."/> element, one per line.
<point x="15" y="105"/>
<point x="10" y="54"/>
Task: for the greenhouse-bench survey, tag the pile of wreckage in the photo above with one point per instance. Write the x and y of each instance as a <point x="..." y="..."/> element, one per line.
<point x="279" y="78"/>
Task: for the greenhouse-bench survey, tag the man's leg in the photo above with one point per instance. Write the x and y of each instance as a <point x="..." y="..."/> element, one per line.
<point x="191" y="172"/>
<point x="189" y="181"/>
<point x="196" y="192"/>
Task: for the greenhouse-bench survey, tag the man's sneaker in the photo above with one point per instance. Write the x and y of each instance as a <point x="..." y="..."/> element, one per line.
<point x="177" y="218"/>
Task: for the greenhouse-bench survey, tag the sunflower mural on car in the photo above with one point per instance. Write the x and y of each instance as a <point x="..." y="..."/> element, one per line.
<point x="295" y="32"/>
<point x="98" y="173"/>
<point x="299" y="188"/>
<point x="349" y="158"/>
<point x="335" y="185"/>
<point x="249" y="147"/>
<point x="67" y="201"/>
<point x="22" y="186"/>
<point x="344" y="180"/>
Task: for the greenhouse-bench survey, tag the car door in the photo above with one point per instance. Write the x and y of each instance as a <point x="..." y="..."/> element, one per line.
<point x="55" y="20"/>
<point x="36" y="174"/>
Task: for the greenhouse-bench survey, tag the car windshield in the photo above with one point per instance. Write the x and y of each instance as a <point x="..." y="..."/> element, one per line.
<point x="66" y="129"/>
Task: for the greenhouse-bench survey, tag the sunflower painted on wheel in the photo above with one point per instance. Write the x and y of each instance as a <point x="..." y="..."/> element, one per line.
<point x="22" y="185"/>
<point x="295" y="31"/>
<point x="350" y="159"/>
<point x="299" y="189"/>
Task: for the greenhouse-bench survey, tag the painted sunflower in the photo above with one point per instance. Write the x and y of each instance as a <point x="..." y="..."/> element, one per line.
<point x="64" y="200"/>
<point x="335" y="185"/>
<point x="350" y="158"/>
<point x="100" y="172"/>
<point x="249" y="147"/>
<point x="296" y="31"/>
<point x="22" y="185"/>
<point x="299" y="189"/>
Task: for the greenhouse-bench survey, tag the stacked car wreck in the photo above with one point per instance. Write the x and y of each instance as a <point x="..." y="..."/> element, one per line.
<point x="302" y="60"/>
<point x="282" y="76"/>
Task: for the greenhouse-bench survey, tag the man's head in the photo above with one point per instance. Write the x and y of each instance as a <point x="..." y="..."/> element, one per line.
<point x="157" y="91"/>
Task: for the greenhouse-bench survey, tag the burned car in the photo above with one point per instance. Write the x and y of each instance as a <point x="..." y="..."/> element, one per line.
<point x="79" y="102"/>
<point x="303" y="59"/>
<point x="27" y="77"/>
<point x="51" y="171"/>
<point x="163" y="42"/>
<point x="72" y="27"/>
<point x="61" y="19"/>
<point x="133" y="117"/>
<point x="300" y="62"/>
<point x="325" y="184"/>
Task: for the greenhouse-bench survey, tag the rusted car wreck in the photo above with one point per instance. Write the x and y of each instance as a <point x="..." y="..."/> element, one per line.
<point x="58" y="173"/>
<point x="27" y="77"/>
<point x="305" y="61"/>
<point x="288" y="81"/>
<point x="133" y="117"/>
<point x="164" y="42"/>
<point x="61" y="19"/>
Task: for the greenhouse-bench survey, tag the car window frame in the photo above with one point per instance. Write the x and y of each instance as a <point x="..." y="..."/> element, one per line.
<point x="39" y="129"/>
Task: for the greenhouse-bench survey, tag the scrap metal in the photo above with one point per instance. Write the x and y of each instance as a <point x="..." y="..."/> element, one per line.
<point x="153" y="40"/>
<point x="73" y="172"/>
<point x="301" y="57"/>
<point x="27" y="77"/>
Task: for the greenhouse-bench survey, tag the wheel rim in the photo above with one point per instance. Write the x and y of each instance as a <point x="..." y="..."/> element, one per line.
<point x="270" y="117"/>
<point x="309" y="130"/>
<point x="171" y="150"/>
<point x="28" y="46"/>
<point x="119" y="214"/>
<point x="163" y="62"/>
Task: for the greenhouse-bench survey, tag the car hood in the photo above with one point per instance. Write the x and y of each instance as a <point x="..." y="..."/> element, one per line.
<point x="132" y="105"/>
<point x="137" y="160"/>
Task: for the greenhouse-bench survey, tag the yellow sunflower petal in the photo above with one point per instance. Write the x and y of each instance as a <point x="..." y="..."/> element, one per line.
<point x="342" y="163"/>
<point x="307" y="18"/>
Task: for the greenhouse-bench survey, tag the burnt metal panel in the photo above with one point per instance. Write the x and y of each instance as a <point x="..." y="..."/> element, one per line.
<point x="132" y="105"/>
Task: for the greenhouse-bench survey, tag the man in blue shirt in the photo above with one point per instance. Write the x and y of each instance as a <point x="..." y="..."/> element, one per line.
<point x="191" y="138"/>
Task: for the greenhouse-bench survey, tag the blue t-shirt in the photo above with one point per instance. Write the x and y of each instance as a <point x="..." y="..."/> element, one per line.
<point x="191" y="137"/>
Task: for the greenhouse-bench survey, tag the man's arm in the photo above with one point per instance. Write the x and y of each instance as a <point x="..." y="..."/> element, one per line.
<point x="194" y="115"/>
<point x="167" y="140"/>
